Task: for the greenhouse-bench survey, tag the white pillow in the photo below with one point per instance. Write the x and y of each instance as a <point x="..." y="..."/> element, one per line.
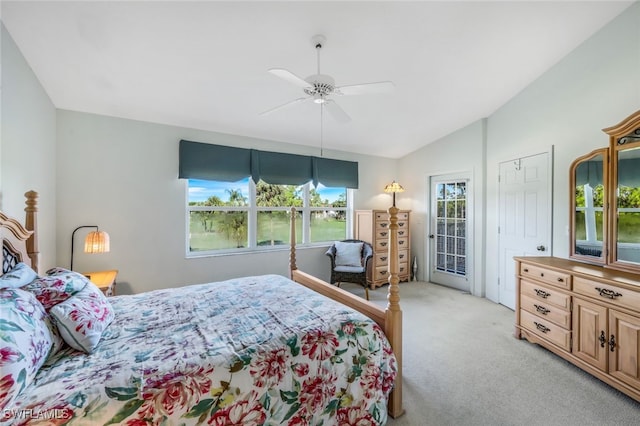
<point x="82" y="318"/>
<point x="20" y="275"/>
<point x="348" y="254"/>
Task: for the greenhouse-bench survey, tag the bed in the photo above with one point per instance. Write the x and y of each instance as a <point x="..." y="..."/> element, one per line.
<point x="251" y="350"/>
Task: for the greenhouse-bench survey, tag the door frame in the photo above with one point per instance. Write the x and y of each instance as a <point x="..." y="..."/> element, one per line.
<point x="466" y="175"/>
<point x="549" y="150"/>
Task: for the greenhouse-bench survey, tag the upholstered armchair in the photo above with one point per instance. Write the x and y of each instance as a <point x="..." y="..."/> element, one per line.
<point x="349" y="260"/>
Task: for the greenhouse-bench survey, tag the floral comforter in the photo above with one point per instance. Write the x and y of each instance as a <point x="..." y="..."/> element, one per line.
<point x="248" y="351"/>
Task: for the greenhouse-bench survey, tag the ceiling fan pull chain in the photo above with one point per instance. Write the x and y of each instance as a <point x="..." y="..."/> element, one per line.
<point x="321" y="127"/>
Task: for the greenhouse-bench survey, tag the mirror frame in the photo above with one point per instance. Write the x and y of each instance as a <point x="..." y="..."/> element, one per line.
<point x="602" y="259"/>
<point x="625" y="135"/>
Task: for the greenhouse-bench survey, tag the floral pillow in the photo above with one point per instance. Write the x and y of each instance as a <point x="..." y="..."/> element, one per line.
<point x="57" y="286"/>
<point x="20" y="275"/>
<point x="82" y="318"/>
<point x="25" y="342"/>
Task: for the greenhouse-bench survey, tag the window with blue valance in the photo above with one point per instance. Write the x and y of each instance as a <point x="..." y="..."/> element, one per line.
<point x="223" y="163"/>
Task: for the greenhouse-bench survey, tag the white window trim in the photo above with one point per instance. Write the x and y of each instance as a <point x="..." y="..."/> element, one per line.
<point x="252" y="209"/>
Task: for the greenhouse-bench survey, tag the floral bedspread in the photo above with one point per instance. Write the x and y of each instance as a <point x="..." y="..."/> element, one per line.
<point x="248" y="351"/>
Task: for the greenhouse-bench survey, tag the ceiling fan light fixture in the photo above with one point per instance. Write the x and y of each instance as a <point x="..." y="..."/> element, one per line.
<point x="320" y="88"/>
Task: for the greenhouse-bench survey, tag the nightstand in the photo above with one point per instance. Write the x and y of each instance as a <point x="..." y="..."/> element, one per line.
<point x="105" y="280"/>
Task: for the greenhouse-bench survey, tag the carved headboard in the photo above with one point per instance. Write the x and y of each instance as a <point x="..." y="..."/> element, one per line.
<point x="20" y="242"/>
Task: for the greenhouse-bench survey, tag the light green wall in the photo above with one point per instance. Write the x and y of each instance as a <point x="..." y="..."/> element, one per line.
<point x="123" y="176"/>
<point x="595" y="86"/>
<point x="27" y="146"/>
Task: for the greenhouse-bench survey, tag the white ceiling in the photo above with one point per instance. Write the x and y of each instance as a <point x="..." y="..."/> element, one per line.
<point x="204" y="64"/>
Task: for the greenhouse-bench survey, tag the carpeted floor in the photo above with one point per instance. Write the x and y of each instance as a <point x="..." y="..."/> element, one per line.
<point x="462" y="366"/>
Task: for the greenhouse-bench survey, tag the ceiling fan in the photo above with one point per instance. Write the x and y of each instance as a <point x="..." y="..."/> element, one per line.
<point x="319" y="88"/>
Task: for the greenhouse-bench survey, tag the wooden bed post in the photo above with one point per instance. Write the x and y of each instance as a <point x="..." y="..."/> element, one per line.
<point x="31" y="223"/>
<point x="393" y="321"/>
<point x="292" y="242"/>
<point x="389" y="319"/>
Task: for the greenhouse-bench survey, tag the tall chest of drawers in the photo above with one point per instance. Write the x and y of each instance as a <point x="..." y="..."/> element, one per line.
<point x="372" y="226"/>
<point x="587" y="314"/>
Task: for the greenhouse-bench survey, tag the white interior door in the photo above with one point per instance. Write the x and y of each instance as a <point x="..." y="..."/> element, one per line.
<point x="524" y="225"/>
<point x="450" y="231"/>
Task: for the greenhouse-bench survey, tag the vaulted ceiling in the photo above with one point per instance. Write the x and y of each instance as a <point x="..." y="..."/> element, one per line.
<point x="204" y="64"/>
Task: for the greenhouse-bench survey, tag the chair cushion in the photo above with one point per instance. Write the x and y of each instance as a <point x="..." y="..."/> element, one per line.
<point x="348" y="254"/>
<point x="350" y="269"/>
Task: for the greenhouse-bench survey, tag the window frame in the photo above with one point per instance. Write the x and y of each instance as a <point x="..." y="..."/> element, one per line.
<point x="252" y="227"/>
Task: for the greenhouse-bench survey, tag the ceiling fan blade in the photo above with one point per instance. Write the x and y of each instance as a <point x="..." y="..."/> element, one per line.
<point x="295" y="101"/>
<point x="289" y="76"/>
<point x="336" y="111"/>
<point x="366" y="88"/>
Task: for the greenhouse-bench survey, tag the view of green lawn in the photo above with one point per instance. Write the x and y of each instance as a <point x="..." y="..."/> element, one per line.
<point x="273" y="229"/>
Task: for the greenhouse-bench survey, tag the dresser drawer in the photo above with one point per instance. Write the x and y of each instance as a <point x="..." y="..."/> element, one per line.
<point x="546" y="329"/>
<point x="382" y="234"/>
<point x="381" y="259"/>
<point x="385" y="216"/>
<point x="607" y="293"/>
<point x="381" y="273"/>
<point x="403" y="255"/>
<point x="403" y="268"/>
<point x="381" y="246"/>
<point x="558" y="279"/>
<point x="547" y="311"/>
<point x="403" y="243"/>
<point x="382" y="223"/>
<point x="548" y="295"/>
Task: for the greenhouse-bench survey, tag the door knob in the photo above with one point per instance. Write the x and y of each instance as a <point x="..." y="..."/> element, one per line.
<point x="541" y="248"/>
<point x="431" y="236"/>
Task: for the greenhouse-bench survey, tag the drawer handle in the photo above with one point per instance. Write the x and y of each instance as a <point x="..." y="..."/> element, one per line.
<point x="612" y="342"/>
<point x="400" y="232"/>
<point x="542" y="293"/>
<point x="384" y="243"/>
<point x="542" y="327"/>
<point x="401" y="242"/>
<point x="383" y="234"/>
<point x="560" y="280"/>
<point x="384" y="224"/>
<point x="602" y="339"/>
<point x="401" y="256"/>
<point x="383" y="258"/>
<point x="383" y="272"/>
<point x="541" y="274"/>
<point x="609" y="294"/>
<point x="526" y="269"/>
<point x="542" y="309"/>
<point x="400" y="223"/>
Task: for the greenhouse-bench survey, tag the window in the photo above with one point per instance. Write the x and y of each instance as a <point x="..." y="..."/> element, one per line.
<point x="243" y="216"/>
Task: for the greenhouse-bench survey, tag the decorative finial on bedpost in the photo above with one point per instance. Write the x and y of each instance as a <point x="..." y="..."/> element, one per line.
<point x="31" y="223"/>
<point x="292" y="242"/>
<point x="394" y="313"/>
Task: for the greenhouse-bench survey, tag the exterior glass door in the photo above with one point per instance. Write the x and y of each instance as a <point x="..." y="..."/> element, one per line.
<point x="449" y="233"/>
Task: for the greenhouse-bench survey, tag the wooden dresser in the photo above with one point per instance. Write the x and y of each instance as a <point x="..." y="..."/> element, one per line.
<point x="372" y="226"/>
<point x="587" y="314"/>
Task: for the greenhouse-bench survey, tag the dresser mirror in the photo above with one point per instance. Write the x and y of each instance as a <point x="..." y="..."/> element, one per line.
<point x="588" y="225"/>
<point x="625" y="228"/>
<point x="610" y="236"/>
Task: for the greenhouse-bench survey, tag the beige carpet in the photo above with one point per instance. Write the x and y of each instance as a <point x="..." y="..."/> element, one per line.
<point x="462" y="366"/>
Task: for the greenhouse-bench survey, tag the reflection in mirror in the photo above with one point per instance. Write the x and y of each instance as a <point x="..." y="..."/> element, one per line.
<point x="588" y="221"/>
<point x="628" y="206"/>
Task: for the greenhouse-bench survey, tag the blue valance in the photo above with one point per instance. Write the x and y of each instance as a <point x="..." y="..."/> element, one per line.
<point x="223" y="163"/>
